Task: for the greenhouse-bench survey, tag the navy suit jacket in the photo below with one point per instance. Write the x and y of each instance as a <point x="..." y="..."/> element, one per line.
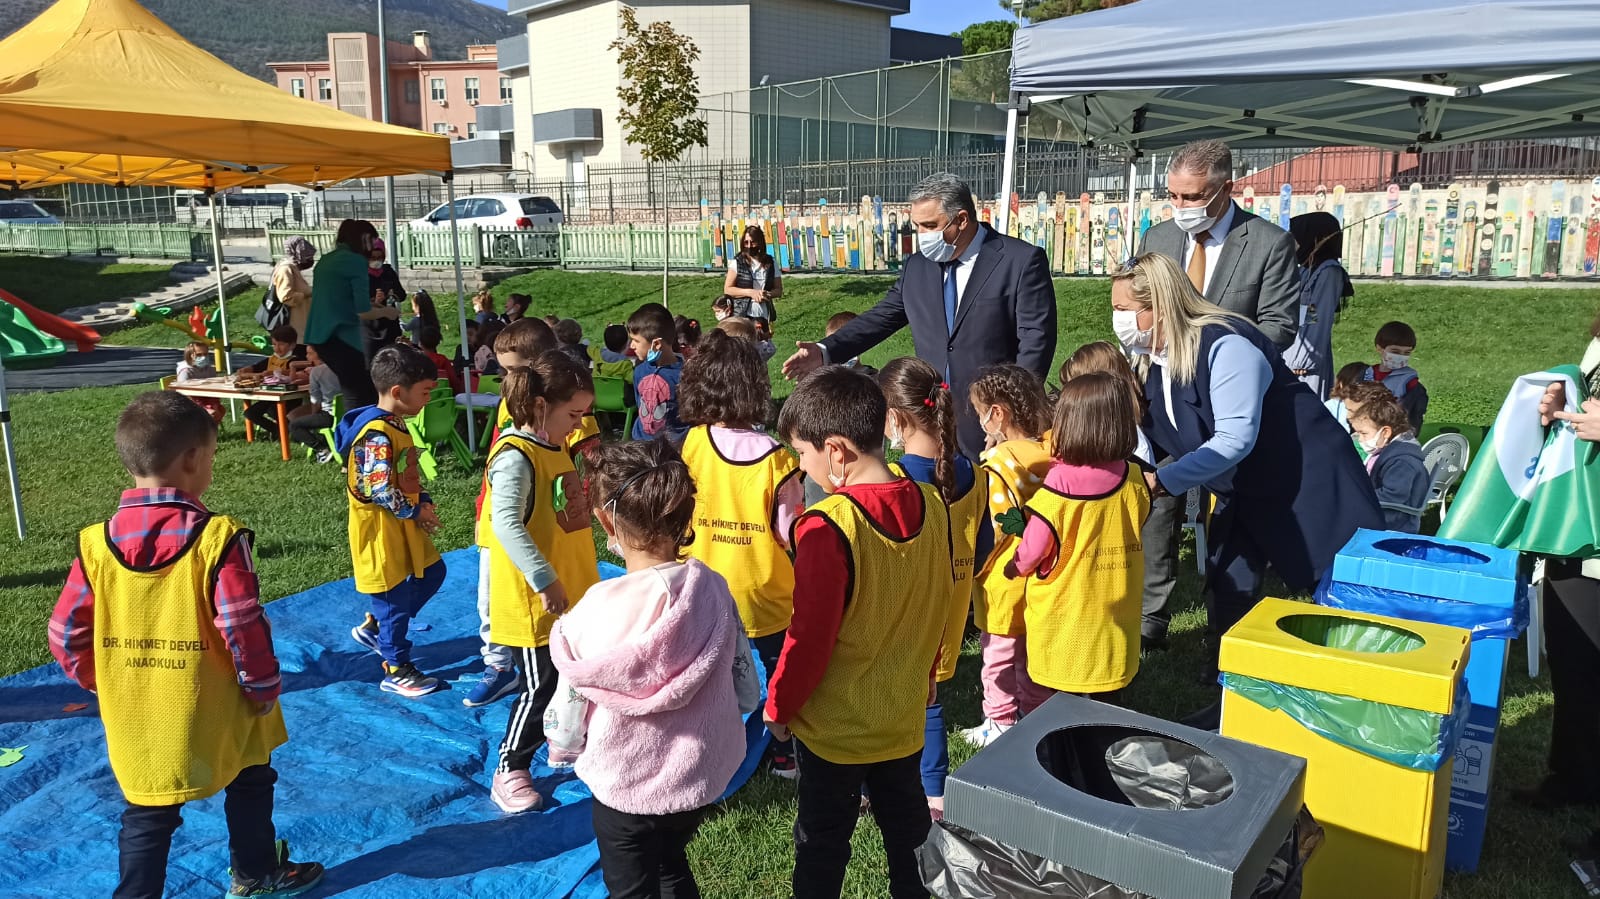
<point x="1007" y="314"/>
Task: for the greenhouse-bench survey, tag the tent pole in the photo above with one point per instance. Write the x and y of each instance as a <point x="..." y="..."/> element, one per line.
<point x="222" y="294"/>
<point x="11" y="458"/>
<point x="388" y="181"/>
<point x="1133" y="176"/>
<point x="1008" y="169"/>
<point x="461" y="307"/>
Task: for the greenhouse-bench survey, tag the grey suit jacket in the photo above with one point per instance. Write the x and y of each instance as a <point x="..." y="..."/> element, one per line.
<point x="1255" y="276"/>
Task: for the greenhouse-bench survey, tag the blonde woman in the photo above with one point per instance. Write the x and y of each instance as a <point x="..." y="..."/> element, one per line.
<point x="1290" y="488"/>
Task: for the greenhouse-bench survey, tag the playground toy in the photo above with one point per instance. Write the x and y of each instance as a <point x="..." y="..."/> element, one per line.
<point x="24" y="344"/>
<point x="54" y="325"/>
<point x="201" y="328"/>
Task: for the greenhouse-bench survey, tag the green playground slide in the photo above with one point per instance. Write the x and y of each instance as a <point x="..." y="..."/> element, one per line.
<point x="21" y="344"/>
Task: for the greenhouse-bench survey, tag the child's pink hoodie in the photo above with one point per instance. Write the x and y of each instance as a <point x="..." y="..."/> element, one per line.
<point x="655" y="652"/>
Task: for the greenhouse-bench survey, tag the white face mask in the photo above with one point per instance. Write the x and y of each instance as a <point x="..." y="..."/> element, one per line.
<point x="1372" y="445"/>
<point x="613" y="543"/>
<point x="931" y="244"/>
<point x="837" y="480"/>
<point x="897" y="440"/>
<point x="1125" y="322"/>
<point x="1395" y="361"/>
<point x="1194" y="219"/>
<point x="983" y="424"/>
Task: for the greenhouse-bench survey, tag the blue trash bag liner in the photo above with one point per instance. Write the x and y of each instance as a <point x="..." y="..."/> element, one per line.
<point x="1483" y="621"/>
<point x="1411" y="738"/>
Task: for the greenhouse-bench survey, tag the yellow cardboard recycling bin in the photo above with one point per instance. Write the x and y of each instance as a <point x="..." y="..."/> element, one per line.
<point x="1385" y="822"/>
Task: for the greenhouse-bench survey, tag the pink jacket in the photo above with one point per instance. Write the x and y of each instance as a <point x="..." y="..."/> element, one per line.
<point x="655" y="651"/>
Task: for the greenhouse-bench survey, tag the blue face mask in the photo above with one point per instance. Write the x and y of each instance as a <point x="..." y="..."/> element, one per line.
<point x="652" y="356"/>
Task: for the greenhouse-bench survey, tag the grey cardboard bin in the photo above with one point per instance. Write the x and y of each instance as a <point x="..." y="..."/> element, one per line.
<point x="1045" y="787"/>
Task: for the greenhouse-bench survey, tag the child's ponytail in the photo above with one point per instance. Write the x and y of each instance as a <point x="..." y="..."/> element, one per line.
<point x="522" y="388"/>
<point x="915" y="390"/>
<point x="649" y="493"/>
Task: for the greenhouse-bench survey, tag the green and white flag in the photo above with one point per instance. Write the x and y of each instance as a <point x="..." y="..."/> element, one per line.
<point x="1532" y="488"/>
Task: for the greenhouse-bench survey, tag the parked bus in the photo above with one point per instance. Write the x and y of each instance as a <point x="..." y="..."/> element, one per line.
<point x="250" y="209"/>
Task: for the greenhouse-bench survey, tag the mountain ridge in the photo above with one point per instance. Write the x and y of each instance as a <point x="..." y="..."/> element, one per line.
<point x="247" y="34"/>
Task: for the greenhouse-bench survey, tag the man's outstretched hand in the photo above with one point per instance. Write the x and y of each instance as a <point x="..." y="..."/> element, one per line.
<point x="807" y="359"/>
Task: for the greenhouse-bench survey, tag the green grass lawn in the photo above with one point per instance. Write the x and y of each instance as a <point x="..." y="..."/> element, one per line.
<point x="1473" y="344"/>
<point x="56" y="284"/>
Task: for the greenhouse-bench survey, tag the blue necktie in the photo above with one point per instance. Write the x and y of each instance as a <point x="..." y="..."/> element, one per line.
<point x="950" y="297"/>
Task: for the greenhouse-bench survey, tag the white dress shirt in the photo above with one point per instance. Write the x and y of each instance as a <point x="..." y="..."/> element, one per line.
<point x="968" y="258"/>
<point x="1214" y="240"/>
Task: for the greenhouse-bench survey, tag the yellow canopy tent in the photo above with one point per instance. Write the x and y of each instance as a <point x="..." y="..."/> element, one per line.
<point x="102" y="91"/>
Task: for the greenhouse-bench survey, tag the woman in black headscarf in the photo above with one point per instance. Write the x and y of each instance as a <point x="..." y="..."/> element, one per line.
<point x="1323" y="288"/>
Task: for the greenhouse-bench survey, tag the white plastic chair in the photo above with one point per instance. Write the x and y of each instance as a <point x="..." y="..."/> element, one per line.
<point x="1445" y="457"/>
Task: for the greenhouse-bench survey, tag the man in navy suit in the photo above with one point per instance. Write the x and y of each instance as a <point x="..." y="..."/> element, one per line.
<point x="972" y="296"/>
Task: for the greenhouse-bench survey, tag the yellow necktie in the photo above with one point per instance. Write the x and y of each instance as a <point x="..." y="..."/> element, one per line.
<point x="1197" y="262"/>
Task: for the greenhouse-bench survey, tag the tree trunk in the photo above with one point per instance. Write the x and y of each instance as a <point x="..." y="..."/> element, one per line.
<point x="666" y="236"/>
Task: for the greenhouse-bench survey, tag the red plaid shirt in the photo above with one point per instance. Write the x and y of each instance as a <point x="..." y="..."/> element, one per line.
<point x="152" y="527"/>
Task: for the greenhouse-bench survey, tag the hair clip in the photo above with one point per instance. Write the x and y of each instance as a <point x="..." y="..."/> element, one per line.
<point x="928" y="402"/>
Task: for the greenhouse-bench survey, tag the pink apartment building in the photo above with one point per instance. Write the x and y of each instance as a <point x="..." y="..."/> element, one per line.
<point x="429" y="94"/>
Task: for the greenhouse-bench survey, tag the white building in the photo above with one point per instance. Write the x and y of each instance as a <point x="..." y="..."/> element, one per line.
<point x="566" y="100"/>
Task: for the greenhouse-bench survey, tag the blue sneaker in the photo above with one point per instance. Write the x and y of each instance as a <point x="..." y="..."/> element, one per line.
<point x="366" y="633"/>
<point x="495" y="684"/>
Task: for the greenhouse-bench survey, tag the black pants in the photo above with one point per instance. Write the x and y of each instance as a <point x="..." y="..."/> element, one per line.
<point x="146" y="837"/>
<point x="350" y="366"/>
<point x="265" y="415"/>
<point x="305" y="429"/>
<point x="1160" y="537"/>
<point x="525" y="727"/>
<point x="645" y="856"/>
<point x="830" y="803"/>
<point x="768" y="649"/>
<point x="1572" y="641"/>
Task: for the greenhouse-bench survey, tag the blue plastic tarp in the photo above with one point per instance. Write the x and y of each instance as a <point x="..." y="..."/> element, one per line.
<point x="391" y="794"/>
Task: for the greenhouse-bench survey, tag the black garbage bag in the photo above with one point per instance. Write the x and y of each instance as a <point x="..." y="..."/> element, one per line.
<point x="1152" y="772"/>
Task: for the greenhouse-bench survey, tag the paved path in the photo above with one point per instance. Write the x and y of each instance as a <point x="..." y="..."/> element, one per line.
<point x="107" y="366"/>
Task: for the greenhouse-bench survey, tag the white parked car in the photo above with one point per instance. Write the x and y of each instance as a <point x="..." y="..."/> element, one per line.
<point x="504" y="212"/>
<point x="25" y="212"/>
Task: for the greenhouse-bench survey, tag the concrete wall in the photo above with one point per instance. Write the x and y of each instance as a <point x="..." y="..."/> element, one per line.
<point x="792" y="40"/>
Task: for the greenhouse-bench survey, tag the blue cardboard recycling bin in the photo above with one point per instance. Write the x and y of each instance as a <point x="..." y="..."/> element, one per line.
<point x="1468" y="585"/>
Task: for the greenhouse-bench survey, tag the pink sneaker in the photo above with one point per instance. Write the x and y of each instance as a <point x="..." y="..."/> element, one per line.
<point x="513" y="791"/>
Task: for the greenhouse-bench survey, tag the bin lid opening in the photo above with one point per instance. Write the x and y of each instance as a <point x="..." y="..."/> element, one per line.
<point x="1350" y="634"/>
<point x="1133" y="767"/>
<point x="1429" y="551"/>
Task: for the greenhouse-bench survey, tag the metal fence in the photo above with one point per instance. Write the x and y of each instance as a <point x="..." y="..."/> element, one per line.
<point x="627" y="246"/>
<point x="129" y="239"/>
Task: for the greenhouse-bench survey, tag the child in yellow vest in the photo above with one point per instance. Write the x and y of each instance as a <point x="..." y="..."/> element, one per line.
<point x="161" y="616"/>
<point x="749" y="493"/>
<point x="922" y="423"/>
<point x="521" y="343"/>
<point x="534" y="530"/>
<point x="857" y="670"/>
<point x="391" y="517"/>
<point x="1011" y="407"/>
<point x="1081" y="549"/>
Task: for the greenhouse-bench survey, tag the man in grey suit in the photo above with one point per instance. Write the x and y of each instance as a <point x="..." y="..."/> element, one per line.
<point x="1244" y="264"/>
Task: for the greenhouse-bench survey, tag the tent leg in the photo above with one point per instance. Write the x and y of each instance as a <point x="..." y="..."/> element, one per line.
<point x="222" y="298"/>
<point x="461" y="306"/>
<point x="1133" y="230"/>
<point x="1008" y="169"/>
<point x="11" y="458"/>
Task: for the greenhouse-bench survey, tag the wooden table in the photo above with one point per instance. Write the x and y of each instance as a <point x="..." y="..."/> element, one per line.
<point x="223" y="389"/>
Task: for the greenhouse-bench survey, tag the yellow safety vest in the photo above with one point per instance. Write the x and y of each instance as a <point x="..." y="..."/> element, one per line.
<point x="735" y="528"/>
<point x="1012" y="471"/>
<point x="588" y="428"/>
<point x="870" y="704"/>
<point x="1084" y="607"/>
<point x="516" y="613"/>
<point x="386" y="550"/>
<point x="178" y="727"/>
<point x="964" y="514"/>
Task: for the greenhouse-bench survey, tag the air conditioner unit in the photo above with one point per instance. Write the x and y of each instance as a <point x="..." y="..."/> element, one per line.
<point x="472" y="102"/>
<point x="442" y="102"/>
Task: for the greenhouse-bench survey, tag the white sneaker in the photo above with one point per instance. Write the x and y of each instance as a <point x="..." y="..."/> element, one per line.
<point x="985" y="733"/>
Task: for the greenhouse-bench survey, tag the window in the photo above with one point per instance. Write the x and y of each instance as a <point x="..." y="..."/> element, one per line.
<point x="297" y="86"/>
<point x="539" y="206"/>
<point x="472" y="90"/>
<point x="505" y="90"/>
<point x="441" y="128"/>
<point x="324" y="88"/>
<point x="436" y="88"/>
<point x="472" y="130"/>
<point x="413" y="92"/>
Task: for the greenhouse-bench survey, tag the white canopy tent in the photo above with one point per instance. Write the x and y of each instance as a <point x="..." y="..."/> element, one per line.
<point x="1396" y="74"/>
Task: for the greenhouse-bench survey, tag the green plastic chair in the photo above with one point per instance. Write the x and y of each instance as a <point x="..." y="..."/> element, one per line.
<point x="435" y="427"/>
<point x="327" y="433"/>
<point x="609" y="396"/>
<point x="442" y="391"/>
